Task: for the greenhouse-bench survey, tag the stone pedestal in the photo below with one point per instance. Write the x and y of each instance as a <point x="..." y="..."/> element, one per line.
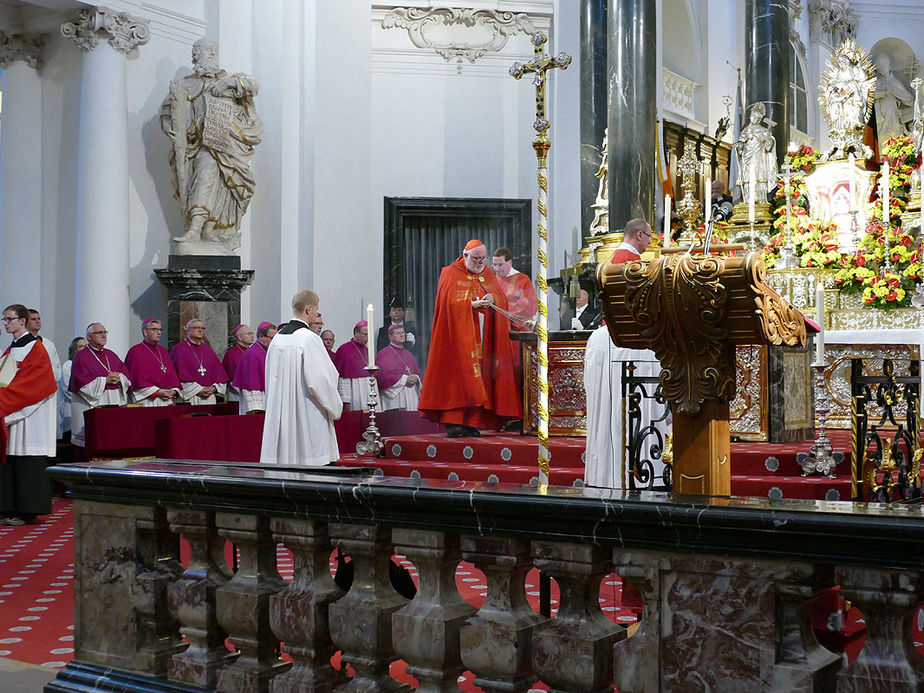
<point x="207" y="287"/>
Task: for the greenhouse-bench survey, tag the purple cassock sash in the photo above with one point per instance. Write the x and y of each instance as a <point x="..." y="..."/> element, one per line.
<point x="90" y="364"/>
<point x="351" y="360"/>
<point x="393" y="362"/>
<point x="150" y="366"/>
<point x="232" y="359"/>
<point x="251" y="369"/>
<point x="197" y="363"/>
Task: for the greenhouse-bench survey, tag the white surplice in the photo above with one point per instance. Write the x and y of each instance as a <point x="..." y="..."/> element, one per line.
<point x="355" y="392"/>
<point x="400" y="396"/>
<point x="251" y="400"/>
<point x="94" y="394"/>
<point x="147" y="397"/>
<point x="302" y="400"/>
<point x="605" y="453"/>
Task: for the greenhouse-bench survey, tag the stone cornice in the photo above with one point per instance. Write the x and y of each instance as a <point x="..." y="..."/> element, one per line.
<point x="25" y="48"/>
<point x="123" y="32"/>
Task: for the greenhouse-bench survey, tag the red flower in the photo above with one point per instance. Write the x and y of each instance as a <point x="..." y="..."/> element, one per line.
<point x="891" y="296"/>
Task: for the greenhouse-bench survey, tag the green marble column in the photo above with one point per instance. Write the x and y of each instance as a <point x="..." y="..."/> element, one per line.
<point x="767" y="70"/>
<point x="632" y="88"/>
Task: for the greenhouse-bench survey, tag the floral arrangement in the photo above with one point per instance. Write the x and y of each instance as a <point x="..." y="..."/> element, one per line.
<point x="904" y="160"/>
<point x="866" y="271"/>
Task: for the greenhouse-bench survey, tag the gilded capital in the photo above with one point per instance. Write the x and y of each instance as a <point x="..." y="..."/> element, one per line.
<point x="26" y="48"/>
<point x="123" y="32"/>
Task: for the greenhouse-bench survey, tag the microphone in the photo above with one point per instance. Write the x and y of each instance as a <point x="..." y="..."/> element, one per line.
<point x="723" y="211"/>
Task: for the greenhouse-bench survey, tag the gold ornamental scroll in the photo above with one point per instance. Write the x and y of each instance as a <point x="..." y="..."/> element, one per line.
<point x="692" y="311"/>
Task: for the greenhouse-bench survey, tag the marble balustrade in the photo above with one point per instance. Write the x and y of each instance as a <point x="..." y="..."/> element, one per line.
<point x="726" y="584"/>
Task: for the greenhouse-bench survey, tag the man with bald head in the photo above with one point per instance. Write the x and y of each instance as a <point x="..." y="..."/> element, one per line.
<point x="469" y="382"/>
<point x="243" y="338"/>
<point x="636" y="238"/>
<point x="201" y="373"/>
<point x="302" y="400"/>
<point x="98" y="378"/>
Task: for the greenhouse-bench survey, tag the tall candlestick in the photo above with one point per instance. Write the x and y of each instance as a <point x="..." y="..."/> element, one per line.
<point x="667" y="221"/>
<point x="884" y="186"/>
<point x="788" y="202"/>
<point x="752" y="183"/>
<point x="370" y="341"/>
<point x="820" y="319"/>
<point x="708" y="184"/>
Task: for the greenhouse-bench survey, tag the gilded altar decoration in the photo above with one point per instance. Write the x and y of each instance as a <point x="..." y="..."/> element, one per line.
<point x="688" y="207"/>
<point x="846" y="96"/>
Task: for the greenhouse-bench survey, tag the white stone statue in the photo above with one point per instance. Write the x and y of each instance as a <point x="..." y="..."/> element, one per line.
<point x="211" y="120"/>
<point x="756" y="150"/>
<point x="893" y="100"/>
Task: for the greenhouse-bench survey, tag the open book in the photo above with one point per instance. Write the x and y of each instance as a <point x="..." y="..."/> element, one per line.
<point x="7" y="369"/>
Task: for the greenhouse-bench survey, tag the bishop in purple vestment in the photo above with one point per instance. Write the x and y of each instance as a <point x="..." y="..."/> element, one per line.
<point x="201" y="373"/>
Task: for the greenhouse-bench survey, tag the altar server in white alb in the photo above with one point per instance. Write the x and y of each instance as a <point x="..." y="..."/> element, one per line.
<point x="27" y="406"/>
<point x="98" y="378"/>
<point x="302" y="400"/>
<point x="605" y="455"/>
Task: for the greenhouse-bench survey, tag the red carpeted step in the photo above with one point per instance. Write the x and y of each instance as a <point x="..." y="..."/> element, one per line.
<point x="779" y="459"/>
<point x="490" y="448"/>
<point x="806" y="488"/>
<point x="514" y="474"/>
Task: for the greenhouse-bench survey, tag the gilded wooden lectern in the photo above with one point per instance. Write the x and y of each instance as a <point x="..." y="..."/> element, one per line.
<point x="692" y="311"/>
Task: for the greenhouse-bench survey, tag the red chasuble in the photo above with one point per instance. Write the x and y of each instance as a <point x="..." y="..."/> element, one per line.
<point x="624" y="255"/>
<point x="469" y="378"/>
<point x="34" y="381"/>
<point x="521" y="297"/>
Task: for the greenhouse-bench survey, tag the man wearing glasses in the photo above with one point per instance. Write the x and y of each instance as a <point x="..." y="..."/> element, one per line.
<point x="27" y="405"/>
<point x="98" y="379"/>
<point x="635" y="240"/>
<point x="154" y="379"/>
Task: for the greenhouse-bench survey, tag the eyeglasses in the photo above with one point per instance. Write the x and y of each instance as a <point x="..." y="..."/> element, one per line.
<point x="100" y="332"/>
<point x="6" y="319"/>
<point x="153" y="329"/>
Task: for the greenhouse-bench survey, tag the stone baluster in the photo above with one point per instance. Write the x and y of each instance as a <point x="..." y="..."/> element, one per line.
<point x="573" y="653"/>
<point x="496" y="642"/>
<point x="192" y="600"/>
<point x="802" y="665"/>
<point x="158" y="554"/>
<point x="887" y="599"/>
<point x="635" y="659"/>
<point x="299" y="614"/>
<point x="243" y="605"/>
<point x="426" y="631"/>
<point x="360" y="622"/>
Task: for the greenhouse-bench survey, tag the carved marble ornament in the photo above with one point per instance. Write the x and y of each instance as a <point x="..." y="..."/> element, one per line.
<point x="457" y="33"/>
<point x="123" y="32"/>
<point x="21" y="47"/>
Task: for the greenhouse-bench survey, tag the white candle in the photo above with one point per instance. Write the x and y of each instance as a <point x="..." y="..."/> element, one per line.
<point x="708" y="205"/>
<point x="370" y="342"/>
<point x="667" y="221"/>
<point x="788" y="203"/>
<point x="884" y="183"/>
<point x="820" y="319"/>
<point x="752" y="183"/>
<point x="850" y="186"/>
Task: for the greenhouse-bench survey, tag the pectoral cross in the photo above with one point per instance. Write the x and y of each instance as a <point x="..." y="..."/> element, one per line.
<point x="201" y="369"/>
<point x="163" y="368"/>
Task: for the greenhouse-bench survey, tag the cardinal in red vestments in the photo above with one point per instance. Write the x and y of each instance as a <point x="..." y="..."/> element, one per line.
<point x="469" y="381"/>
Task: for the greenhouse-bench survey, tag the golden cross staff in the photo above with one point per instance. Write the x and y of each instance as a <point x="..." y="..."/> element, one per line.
<point x="538" y="66"/>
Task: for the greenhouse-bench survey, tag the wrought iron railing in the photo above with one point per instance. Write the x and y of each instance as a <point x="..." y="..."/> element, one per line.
<point x="647" y="444"/>
<point x="885" y="446"/>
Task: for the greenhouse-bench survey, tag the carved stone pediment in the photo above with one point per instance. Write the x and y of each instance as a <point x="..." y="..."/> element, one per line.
<point x="457" y="33"/>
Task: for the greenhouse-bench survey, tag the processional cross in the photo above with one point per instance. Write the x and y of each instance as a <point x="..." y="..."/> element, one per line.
<point x="538" y="67"/>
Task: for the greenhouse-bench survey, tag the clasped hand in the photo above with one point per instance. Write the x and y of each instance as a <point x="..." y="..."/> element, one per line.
<point x="483" y="302"/>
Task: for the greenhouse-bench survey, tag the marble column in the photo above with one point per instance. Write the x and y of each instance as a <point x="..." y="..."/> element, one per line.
<point x="102" y="262"/>
<point x="632" y="117"/>
<point x="767" y="72"/>
<point x="593" y="102"/>
<point x="21" y="170"/>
